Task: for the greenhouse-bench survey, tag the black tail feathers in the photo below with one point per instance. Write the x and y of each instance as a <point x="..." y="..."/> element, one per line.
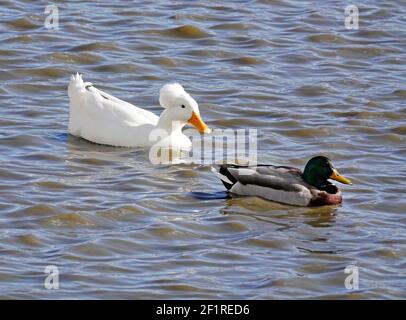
<point x="226" y="177"/>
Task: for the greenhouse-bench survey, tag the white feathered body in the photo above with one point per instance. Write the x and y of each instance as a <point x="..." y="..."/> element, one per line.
<point x="101" y="118"/>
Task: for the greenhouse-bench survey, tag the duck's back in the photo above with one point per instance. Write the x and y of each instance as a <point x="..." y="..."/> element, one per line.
<point x="275" y="183"/>
<point x="102" y="118"/>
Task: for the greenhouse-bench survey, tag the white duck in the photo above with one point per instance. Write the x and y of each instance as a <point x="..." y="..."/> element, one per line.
<point x="101" y="118"/>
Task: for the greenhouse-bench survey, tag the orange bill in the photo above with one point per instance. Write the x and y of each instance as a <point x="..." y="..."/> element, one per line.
<point x="196" y="121"/>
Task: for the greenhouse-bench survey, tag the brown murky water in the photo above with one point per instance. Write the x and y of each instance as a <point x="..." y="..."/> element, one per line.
<point x="119" y="227"/>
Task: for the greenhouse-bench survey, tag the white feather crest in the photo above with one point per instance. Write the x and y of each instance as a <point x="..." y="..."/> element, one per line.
<point x="169" y="93"/>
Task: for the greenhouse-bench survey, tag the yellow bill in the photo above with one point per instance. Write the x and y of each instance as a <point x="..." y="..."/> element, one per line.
<point x="338" y="177"/>
<point x="196" y="121"/>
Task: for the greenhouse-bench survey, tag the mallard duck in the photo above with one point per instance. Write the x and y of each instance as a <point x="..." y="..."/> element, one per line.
<point x="101" y="118"/>
<point x="286" y="184"/>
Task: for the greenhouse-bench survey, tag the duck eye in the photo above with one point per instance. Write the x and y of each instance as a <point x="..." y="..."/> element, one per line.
<point x="183" y="106"/>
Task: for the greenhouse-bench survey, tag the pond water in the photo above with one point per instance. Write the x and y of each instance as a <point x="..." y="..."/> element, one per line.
<point x="117" y="226"/>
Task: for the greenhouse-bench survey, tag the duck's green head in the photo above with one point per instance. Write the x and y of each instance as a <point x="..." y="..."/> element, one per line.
<point x="319" y="169"/>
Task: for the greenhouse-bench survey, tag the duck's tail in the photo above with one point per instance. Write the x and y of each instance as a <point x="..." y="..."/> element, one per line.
<point x="77" y="86"/>
<point x="225" y="176"/>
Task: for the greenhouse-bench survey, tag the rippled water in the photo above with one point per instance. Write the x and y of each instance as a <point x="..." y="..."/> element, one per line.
<point x="119" y="227"/>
